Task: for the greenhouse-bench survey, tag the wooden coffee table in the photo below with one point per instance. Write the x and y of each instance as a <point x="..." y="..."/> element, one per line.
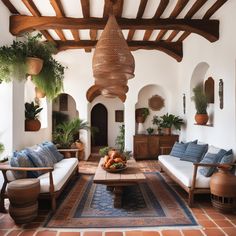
<point x="117" y="181"/>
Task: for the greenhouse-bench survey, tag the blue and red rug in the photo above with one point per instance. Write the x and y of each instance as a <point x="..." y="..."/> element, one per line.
<point x="151" y="204"/>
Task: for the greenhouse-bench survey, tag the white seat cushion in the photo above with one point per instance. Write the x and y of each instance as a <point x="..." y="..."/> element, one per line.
<point x="62" y="171"/>
<point x="183" y="171"/>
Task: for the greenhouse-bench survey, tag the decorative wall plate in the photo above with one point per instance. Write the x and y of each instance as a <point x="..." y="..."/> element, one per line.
<point x="156" y="102"/>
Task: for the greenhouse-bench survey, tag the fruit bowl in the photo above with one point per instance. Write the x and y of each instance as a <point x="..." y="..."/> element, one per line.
<point x="114" y="170"/>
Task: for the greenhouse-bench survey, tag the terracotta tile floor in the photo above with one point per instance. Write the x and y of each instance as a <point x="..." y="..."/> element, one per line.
<point x="212" y="222"/>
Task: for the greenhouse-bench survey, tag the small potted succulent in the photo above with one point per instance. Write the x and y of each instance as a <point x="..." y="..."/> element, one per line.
<point x="31" y="116"/>
<point x="150" y="130"/>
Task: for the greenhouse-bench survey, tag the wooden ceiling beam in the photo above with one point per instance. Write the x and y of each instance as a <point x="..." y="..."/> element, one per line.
<point x="208" y="14"/>
<point x="161" y="8"/>
<point x="195" y="8"/>
<point x="10" y="7"/>
<point x="173" y="49"/>
<point x="206" y="28"/>
<point x="35" y="12"/>
<point x="141" y="10"/>
<point x="180" y="5"/>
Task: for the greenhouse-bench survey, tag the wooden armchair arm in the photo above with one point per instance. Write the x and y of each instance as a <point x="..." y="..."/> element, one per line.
<point x="214" y="165"/>
<point x="8" y="167"/>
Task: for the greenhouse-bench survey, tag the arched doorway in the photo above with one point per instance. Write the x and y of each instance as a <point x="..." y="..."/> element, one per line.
<point x="99" y="120"/>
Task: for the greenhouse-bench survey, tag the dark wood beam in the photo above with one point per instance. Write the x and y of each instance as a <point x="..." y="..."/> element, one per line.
<point x="75" y="34"/>
<point x="35" y="12"/>
<point x="10" y="7"/>
<point x="180" y="5"/>
<point x="206" y="28"/>
<point x="141" y="10"/>
<point x="161" y="8"/>
<point x="208" y="14"/>
<point x="195" y="8"/>
<point x="173" y="49"/>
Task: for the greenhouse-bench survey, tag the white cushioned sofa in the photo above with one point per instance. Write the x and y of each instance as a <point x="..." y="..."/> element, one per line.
<point x="53" y="177"/>
<point x="194" y="176"/>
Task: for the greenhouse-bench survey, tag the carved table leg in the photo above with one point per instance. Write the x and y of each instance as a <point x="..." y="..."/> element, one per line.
<point x="118" y="196"/>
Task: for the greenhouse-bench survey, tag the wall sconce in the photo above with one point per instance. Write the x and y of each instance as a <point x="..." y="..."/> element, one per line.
<point x="221" y="93"/>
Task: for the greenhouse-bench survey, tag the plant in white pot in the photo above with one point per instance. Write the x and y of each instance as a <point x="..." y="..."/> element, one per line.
<point x="200" y="100"/>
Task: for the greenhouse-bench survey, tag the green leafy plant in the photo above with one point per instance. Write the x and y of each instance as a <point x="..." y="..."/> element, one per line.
<point x="200" y="100"/>
<point x="145" y="112"/>
<point x="2" y="148"/>
<point x="32" y="111"/>
<point x="120" y="139"/>
<point x="150" y="130"/>
<point x="65" y="133"/>
<point x="170" y="120"/>
<point x="104" y="151"/>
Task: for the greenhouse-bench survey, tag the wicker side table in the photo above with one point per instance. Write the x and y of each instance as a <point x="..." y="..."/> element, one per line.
<point x="23" y="195"/>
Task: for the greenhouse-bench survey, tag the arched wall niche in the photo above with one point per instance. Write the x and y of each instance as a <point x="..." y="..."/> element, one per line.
<point x="201" y="75"/>
<point x="111" y="104"/>
<point x="144" y="95"/>
<point x="63" y="109"/>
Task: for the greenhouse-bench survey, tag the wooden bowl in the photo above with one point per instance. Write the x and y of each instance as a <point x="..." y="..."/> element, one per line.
<point x="114" y="170"/>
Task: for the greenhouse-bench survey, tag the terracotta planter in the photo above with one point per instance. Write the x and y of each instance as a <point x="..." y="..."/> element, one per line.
<point x="34" y="65"/>
<point x="166" y="131"/>
<point x="201" y="119"/>
<point x="32" y="125"/>
<point x="140" y="119"/>
<point x="223" y="190"/>
<point x="79" y="146"/>
<point x="39" y="93"/>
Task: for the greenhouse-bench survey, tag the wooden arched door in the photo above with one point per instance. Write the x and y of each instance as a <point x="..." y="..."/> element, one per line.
<point x="99" y="120"/>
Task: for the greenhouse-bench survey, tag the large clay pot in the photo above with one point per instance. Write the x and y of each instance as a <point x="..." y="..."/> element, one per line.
<point x="201" y="119"/>
<point x="166" y="131"/>
<point x="32" y="125"/>
<point x="79" y="145"/>
<point x="34" y="65"/>
<point x="39" y="93"/>
<point x="223" y="190"/>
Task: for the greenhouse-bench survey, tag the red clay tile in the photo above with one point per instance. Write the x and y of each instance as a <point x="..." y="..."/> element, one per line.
<point x="133" y="233"/>
<point x="69" y="234"/>
<point x="216" y="216"/>
<point x="201" y="216"/>
<point x="27" y="233"/>
<point x="151" y="233"/>
<point x="2" y="232"/>
<point x="95" y="233"/>
<point x="197" y="210"/>
<point x="189" y="232"/>
<point x="230" y="217"/>
<point x="171" y="233"/>
<point x="213" y="232"/>
<point x="31" y="225"/>
<point x="46" y="233"/>
<point x="231" y="231"/>
<point x="223" y="223"/>
<point x="207" y="223"/>
<point x="14" y="232"/>
<point x="114" y="234"/>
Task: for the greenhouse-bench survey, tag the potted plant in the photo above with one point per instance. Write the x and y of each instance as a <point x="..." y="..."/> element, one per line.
<point x="120" y="139"/>
<point x="141" y="114"/>
<point x="200" y="100"/>
<point x="1" y="148"/>
<point x="150" y="130"/>
<point x="31" y="117"/>
<point x="157" y="121"/>
<point x="169" y="120"/>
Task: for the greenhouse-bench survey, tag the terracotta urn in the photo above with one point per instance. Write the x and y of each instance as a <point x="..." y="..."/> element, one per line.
<point x="201" y="119"/>
<point x="32" y="125"/>
<point x="79" y="145"/>
<point x="34" y="65"/>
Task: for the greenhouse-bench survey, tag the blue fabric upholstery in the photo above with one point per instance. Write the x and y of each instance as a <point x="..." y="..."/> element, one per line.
<point x="20" y="159"/>
<point x="211" y="158"/>
<point x="52" y="148"/>
<point x="227" y="158"/>
<point x="178" y="149"/>
<point x="194" y="152"/>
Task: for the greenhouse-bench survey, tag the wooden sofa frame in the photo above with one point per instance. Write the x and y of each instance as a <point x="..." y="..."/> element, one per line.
<point x="50" y="195"/>
<point x="193" y="190"/>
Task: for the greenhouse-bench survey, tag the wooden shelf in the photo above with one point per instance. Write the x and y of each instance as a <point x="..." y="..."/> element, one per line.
<point x="209" y="125"/>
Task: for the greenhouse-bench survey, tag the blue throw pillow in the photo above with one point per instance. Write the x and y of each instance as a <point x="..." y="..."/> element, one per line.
<point x="211" y="158"/>
<point x="178" y="149"/>
<point x="194" y="152"/>
<point x="227" y="157"/>
<point x="52" y="148"/>
<point x="20" y="159"/>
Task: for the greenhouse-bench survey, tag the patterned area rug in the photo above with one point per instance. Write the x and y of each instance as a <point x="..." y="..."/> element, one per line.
<point x="150" y="204"/>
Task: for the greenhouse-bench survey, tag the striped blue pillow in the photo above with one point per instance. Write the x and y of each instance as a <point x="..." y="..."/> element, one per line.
<point x="178" y="149"/>
<point x="194" y="152"/>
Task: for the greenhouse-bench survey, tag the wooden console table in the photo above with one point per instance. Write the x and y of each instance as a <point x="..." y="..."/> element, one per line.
<point x="151" y="146"/>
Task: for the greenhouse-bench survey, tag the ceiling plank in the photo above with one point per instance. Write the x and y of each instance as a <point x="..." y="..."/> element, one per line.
<point x="35" y="12"/>
<point x="75" y="34"/>
<point x="208" y="14"/>
<point x="58" y="8"/>
<point x="195" y="8"/>
<point x="173" y="49"/>
<point x="141" y="9"/>
<point x="176" y="11"/>
<point x="10" y="7"/>
<point x="161" y="8"/>
<point x="206" y="28"/>
<point x="85" y="8"/>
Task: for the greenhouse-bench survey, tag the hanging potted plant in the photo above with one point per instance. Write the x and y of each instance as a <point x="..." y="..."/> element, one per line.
<point x="31" y="117"/>
<point x="200" y="100"/>
<point x="141" y="114"/>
